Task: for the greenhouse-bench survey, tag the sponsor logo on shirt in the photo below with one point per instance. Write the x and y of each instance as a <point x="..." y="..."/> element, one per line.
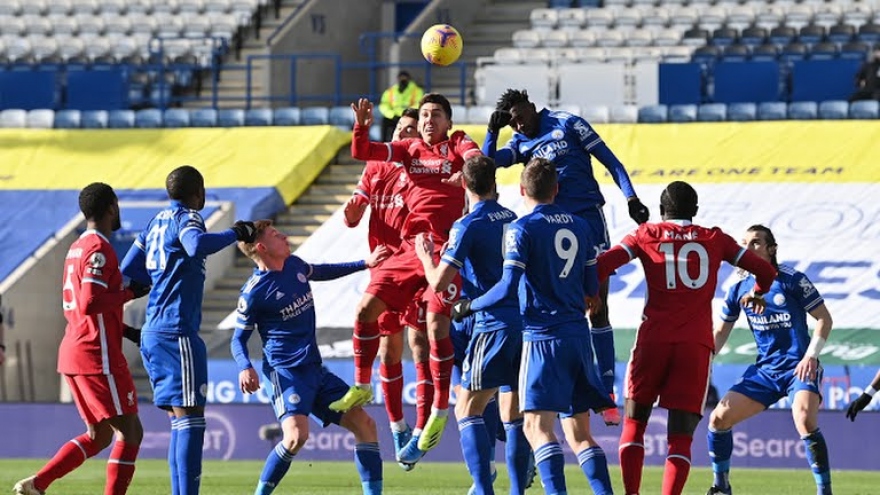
<point x="582" y="130"/>
<point x="551" y="150"/>
<point x="807" y="287"/>
<point x="435" y="166"/>
<point x="510" y="241"/>
<point x="242" y="305"/>
<point x="97" y="260"/>
<point x="296" y="308"/>
<point x="557" y="134"/>
<point x="779" y="299"/>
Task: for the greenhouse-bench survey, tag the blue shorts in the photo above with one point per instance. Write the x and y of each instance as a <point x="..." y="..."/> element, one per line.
<point x="178" y="369"/>
<point x="460" y="332"/>
<point x="492" y="361"/>
<point x="595" y="218"/>
<point x="767" y="387"/>
<point x="306" y="390"/>
<point x="558" y="374"/>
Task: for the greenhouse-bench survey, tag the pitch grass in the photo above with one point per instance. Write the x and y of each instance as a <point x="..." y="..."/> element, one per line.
<point x="336" y="478"/>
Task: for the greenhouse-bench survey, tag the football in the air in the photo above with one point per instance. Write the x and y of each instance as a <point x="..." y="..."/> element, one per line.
<point x="441" y="44"/>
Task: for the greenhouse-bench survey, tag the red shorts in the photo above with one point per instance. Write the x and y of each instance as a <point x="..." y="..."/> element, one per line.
<point x="390" y="323"/>
<point x="100" y="397"/>
<point x="416" y="316"/>
<point x="399" y="279"/>
<point x="677" y="373"/>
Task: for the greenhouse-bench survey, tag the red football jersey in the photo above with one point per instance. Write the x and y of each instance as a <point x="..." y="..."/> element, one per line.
<point x="92" y="298"/>
<point x="681" y="263"/>
<point x="433" y="205"/>
<point x="384" y="185"/>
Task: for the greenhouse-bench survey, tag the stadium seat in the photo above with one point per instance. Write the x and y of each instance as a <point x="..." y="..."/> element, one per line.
<point x="13" y="118"/>
<point x="341" y="116"/>
<point x="286" y="116"/>
<point x="230" y="117"/>
<point x="67" y="119"/>
<point x="653" y="114"/>
<point x="41" y="119"/>
<point x="802" y="110"/>
<point x="260" y="117"/>
<point x="753" y="36"/>
<point x="571" y="19"/>
<point x="869" y="33"/>
<point x="772" y="110"/>
<point x="811" y="34"/>
<point x="735" y="53"/>
<point x="596" y="114"/>
<point x="765" y="53"/>
<point x="706" y="55"/>
<point x="315" y="115"/>
<point x="119" y="119"/>
<point x="695" y="37"/>
<point x="856" y="50"/>
<point x="793" y="52"/>
<point x="149" y="118"/>
<point x="94" y="119"/>
<point x="712" y="112"/>
<point x="683" y="113"/>
<point x="176" y="117"/>
<point x="782" y="35"/>
<point x="724" y="36"/>
<point x="628" y="114"/>
<point x="543" y="18"/>
<point x="866" y="109"/>
<point x="823" y="51"/>
<point x="742" y="112"/>
<point x="841" y="33"/>
<point x="833" y="110"/>
<point x="203" y="117"/>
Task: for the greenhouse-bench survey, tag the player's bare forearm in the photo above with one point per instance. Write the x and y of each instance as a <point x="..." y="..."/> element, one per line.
<point x="823" y="321"/>
<point x="722" y="333"/>
<point x="762" y="270"/>
<point x="611" y="260"/>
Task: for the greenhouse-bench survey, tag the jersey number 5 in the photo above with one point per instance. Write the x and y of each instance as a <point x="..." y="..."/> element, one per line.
<point x="156" y="257"/>
<point x="677" y="265"/>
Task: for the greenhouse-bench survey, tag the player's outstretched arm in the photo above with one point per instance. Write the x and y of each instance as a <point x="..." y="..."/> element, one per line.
<point x="721" y="334"/>
<point x="863" y="400"/>
<point x="439" y="276"/>
<point x="506" y="287"/>
<point x="197" y="242"/>
<point x="611" y="260"/>
<point x="361" y="146"/>
<point x="332" y="271"/>
<point x="134" y="265"/>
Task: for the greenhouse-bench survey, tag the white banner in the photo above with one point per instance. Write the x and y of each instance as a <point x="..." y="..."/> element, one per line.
<point x="831" y="232"/>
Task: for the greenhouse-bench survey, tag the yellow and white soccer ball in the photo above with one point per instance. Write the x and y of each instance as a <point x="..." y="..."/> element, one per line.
<point x="441" y="44"/>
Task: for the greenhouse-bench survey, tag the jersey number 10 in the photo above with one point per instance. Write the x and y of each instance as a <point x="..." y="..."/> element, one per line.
<point x="677" y="265"/>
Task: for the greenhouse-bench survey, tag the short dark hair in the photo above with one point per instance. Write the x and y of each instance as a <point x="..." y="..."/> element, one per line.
<point x="412" y="113"/>
<point x="184" y="182"/>
<point x="539" y="179"/>
<point x="479" y="174"/>
<point x="438" y="99"/>
<point x="95" y="200"/>
<point x="512" y="98"/>
<point x="403" y="73"/>
<point x="679" y="200"/>
<point x="769" y="237"/>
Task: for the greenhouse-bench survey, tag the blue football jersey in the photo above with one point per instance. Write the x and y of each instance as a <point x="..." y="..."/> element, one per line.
<point x="476" y="247"/>
<point x="781" y="331"/>
<point x="175" y="304"/>
<point x="566" y="140"/>
<point x="553" y="247"/>
<point x="279" y="305"/>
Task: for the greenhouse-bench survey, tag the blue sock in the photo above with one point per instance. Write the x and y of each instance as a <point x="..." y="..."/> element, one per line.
<point x="368" y="461"/>
<point x="517" y="452"/>
<point x="476" y="451"/>
<point x="551" y="465"/>
<point x="817" y="456"/>
<point x="720" y="450"/>
<point x="190" y="441"/>
<point x="595" y="467"/>
<point x="275" y="468"/>
<point x="603" y="345"/>
<point x="172" y="457"/>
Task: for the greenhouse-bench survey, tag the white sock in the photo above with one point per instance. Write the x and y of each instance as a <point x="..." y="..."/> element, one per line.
<point x="399" y="426"/>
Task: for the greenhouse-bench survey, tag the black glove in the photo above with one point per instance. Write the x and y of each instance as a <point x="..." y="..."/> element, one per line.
<point x="461" y="309"/>
<point x="245" y="231"/>
<point x="138" y="289"/>
<point x="133" y="334"/>
<point x="638" y="212"/>
<point x="498" y="120"/>
<point x="857" y="405"/>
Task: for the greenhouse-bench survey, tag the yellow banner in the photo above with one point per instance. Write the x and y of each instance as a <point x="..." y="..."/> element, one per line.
<point x="287" y="158"/>
<point x="789" y="151"/>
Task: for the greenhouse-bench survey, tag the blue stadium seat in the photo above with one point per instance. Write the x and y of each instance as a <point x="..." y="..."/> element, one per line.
<point x="230" y="117"/>
<point x="782" y="35"/>
<point x="793" y="52"/>
<point x="735" y="53"/>
<point x="742" y="112"/>
<point x="803" y="110"/>
<point x="69" y="119"/>
<point x="315" y="115"/>
<point x="342" y="117"/>
<point x="653" y="114"/>
<point x="258" y="117"/>
<point x="869" y="33"/>
<point x="834" y="110"/>
<point x="286" y="116"/>
<point x="811" y="33"/>
<point x="120" y="119"/>
<point x="765" y="53"/>
<point x="724" y="36"/>
<point x="841" y="33"/>
<point x="176" y="117"/>
<point x="203" y="117"/>
<point x="866" y="109"/>
<point x="149" y="118"/>
<point x="856" y="50"/>
<point x="824" y="51"/>
<point x="683" y="113"/>
<point x="772" y="110"/>
<point x="94" y="119"/>
<point x="712" y="112"/>
<point x="706" y="55"/>
<point x="753" y="36"/>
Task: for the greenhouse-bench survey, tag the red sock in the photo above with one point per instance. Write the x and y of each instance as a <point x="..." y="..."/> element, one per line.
<point x="392" y="389"/>
<point x="70" y="456"/>
<point x="424" y="394"/>
<point x="442" y="355"/>
<point x="632" y="454"/>
<point x="678" y="464"/>
<point x="366" y="346"/>
<point x="120" y="468"/>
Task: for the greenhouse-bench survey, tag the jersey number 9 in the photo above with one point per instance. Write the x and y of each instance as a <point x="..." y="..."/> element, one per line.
<point x="567" y="251"/>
